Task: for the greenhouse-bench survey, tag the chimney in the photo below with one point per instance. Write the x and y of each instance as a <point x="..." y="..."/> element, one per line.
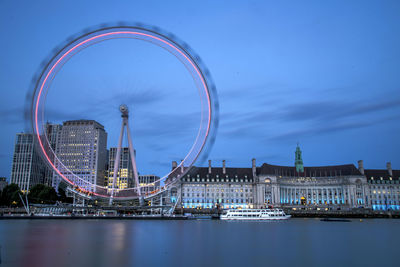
<point x="209" y="166"/>
<point x="174" y="165"/>
<point x="223" y="167"/>
<point x="389" y="168"/>
<point x="253" y="166"/>
<point x="361" y="166"/>
<point x="181" y="166"/>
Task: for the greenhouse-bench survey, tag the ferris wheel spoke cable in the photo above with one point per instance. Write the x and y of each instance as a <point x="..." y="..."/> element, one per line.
<point x="205" y="137"/>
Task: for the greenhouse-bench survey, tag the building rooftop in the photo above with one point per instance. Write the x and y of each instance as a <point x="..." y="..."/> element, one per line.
<point x="230" y="172"/>
<point x="83" y="122"/>
<point x="319" y="171"/>
<point x="289" y="171"/>
<point x="216" y="172"/>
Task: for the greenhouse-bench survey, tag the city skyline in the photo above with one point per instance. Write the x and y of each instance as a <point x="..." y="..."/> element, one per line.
<point x="326" y="81"/>
<point x="199" y="133"/>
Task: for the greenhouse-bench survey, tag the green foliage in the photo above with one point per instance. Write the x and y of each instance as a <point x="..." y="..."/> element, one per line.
<point x="42" y="194"/>
<point x="39" y="193"/>
<point x="9" y="196"/>
<point x="62" y="196"/>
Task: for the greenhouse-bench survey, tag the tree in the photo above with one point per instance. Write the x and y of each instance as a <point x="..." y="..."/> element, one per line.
<point x="41" y="193"/>
<point x="10" y="196"/>
<point x="62" y="195"/>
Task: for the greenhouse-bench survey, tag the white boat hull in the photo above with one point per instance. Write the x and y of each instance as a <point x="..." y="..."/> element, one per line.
<point x="255" y="215"/>
<point x="255" y="218"/>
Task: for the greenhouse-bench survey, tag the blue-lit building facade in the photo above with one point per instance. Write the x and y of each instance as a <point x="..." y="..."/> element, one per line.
<point x="323" y="187"/>
<point x="339" y="186"/>
<point x="212" y="187"/>
<point x="384" y="187"/>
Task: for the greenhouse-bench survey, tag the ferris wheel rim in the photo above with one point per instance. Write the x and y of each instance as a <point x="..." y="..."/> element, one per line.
<point x="117" y="29"/>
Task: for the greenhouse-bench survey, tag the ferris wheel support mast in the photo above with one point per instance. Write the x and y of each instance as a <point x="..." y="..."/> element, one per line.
<point x="125" y="115"/>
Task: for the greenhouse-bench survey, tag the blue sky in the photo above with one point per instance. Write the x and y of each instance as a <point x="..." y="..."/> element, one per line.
<point x="324" y="74"/>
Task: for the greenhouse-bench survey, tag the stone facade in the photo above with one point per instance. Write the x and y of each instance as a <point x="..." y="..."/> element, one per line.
<point x="214" y="187"/>
<point x="384" y="188"/>
<point x="341" y="185"/>
<point x="333" y="187"/>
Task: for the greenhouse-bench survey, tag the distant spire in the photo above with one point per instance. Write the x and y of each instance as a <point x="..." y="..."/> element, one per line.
<point x="298" y="161"/>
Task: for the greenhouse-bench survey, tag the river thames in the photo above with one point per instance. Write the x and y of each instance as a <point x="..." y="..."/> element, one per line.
<point x="295" y="242"/>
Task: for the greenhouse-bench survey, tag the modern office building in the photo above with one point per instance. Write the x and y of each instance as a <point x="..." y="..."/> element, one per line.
<point x="82" y="152"/>
<point x="52" y="132"/>
<point x="149" y="183"/>
<point x="338" y="186"/>
<point x="28" y="168"/>
<point x="125" y="179"/>
<point x="125" y="171"/>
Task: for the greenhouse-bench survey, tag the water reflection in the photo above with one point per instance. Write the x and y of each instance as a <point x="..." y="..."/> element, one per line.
<point x="297" y="242"/>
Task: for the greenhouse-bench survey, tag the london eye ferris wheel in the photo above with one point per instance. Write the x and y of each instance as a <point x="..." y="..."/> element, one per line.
<point x="200" y="76"/>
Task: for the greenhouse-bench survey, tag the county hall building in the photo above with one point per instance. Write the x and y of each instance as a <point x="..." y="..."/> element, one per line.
<point x="339" y="186"/>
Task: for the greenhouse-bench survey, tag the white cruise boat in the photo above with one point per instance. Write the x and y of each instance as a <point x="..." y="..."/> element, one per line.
<point x="255" y="214"/>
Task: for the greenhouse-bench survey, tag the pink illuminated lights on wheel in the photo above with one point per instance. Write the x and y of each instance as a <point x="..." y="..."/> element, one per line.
<point x="96" y="36"/>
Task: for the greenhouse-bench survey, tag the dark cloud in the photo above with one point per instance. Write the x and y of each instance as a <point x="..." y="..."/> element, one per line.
<point x="98" y="106"/>
<point x="312" y="131"/>
<point x="330" y="128"/>
<point x="256" y="92"/>
<point x="238" y="132"/>
<point x="135" y="98"/>
<point x="334" y="110"/>
<point x="167" y="125"/>
<point x="317" y="117"/>
<point x="60" y="115"/>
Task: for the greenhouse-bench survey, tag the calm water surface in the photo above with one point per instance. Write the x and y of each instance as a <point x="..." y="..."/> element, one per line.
<point x="296" y="242"/>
